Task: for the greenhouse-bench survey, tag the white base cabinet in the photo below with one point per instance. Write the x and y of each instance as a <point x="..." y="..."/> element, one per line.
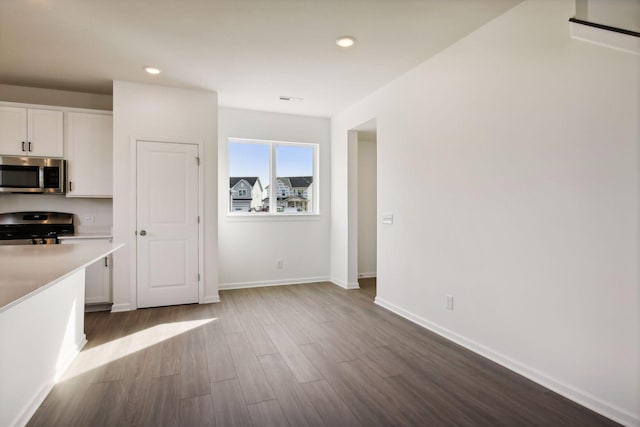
<point x="98" y="282"/>
<point x="98" y="274"/>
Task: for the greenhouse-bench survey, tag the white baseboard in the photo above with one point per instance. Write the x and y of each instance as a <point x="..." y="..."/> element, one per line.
<point x="367" y="275"/>
<point x="210" y="299"/>
<point x="264" y="283"/>
<point x="32" y="406"/>
<point x="338" y="282"/>
<point x="583" y="398"/>
<point x="345" y="285"/>
<point x="121" y="307"/>
<point x="613" y="40"/>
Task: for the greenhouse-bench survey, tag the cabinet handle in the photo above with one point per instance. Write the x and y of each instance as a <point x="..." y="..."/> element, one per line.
<point x="70" y="186"/>
<point x="106" y="262"/>
<point x="29" y="145"/>
<point x="23" y="146"/>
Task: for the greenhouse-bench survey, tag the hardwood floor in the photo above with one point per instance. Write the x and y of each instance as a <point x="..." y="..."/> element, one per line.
<point x="306" y="355"/>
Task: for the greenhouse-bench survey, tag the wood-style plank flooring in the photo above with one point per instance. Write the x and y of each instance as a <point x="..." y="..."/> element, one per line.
<point x="306" y="355"/>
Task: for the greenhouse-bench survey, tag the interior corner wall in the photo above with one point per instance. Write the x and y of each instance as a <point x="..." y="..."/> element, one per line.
<point x="160" y="113"/>
<point x="367" y="208"/>
<point x="249" y="246"/>
<point x="510" y="163"/>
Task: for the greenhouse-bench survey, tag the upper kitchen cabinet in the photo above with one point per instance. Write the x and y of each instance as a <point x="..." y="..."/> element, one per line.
<point x="89" y="148"/>
<point x="31" y="132"/>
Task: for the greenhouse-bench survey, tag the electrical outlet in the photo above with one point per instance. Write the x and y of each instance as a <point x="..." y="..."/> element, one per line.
<point x="88" y="219"/>
<point x="279" y="264"/>
<point x="449" y="302"/>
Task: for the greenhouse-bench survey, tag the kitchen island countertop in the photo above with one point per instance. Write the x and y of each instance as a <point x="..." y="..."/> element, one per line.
<point x="29" y="269"/>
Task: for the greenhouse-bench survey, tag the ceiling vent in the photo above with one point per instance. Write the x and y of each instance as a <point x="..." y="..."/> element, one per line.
<point x="291" y="98"/>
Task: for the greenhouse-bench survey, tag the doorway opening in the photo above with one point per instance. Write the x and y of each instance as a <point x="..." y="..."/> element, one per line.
<point x="364" y="202"/>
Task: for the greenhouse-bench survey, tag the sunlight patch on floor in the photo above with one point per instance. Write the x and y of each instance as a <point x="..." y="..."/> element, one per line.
<point x="108" y="352"/>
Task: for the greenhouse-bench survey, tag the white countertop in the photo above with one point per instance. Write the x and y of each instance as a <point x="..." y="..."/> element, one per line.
<point x="28" y="269"/>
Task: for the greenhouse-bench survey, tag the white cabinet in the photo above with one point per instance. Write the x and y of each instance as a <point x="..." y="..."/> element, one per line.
<point x="31" y="132"/>
<point x="13" y="131"/>
<point x="98" y="274"/>
<point x="89" y="148"/>
<point x="98" y="282"/>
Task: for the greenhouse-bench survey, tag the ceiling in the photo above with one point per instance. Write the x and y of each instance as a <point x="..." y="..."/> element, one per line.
<point x="249" y="51"/>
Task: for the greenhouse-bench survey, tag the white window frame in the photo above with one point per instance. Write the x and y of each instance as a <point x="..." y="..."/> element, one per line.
<point x="242" y="192"/>
<point x="273" y="203"/>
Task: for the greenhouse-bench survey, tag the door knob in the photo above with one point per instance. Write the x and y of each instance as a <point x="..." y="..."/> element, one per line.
<point x="143" y="232"/>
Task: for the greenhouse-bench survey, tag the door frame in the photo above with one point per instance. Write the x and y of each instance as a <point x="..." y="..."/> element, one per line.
<point x="133" y="192"/>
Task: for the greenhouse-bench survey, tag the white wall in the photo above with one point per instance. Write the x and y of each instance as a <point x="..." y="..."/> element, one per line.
<point x="160" y="113"/>
<point x="525" y="145"/>
<point x="367" y="207"/>
<point x="249" y="247"/>
<point x="62" y="98"/>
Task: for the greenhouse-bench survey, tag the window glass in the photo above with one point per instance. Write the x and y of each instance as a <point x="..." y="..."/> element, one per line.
<point x="248" y="173"/>
<point x="294" y="176"/>
<point x="250" y="185"/>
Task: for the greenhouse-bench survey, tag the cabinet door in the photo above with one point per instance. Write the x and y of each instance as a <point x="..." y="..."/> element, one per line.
<point x="89" y="143"/>
<point x="45" y="132"/>
<point x="98" y="282"/>
<point x="13" y="131"/>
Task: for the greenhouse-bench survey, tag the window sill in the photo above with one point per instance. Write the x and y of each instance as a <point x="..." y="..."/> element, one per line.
<point x="235" y="217"/>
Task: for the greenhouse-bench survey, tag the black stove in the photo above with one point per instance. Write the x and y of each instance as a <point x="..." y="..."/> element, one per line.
<point x="34" y="228"/>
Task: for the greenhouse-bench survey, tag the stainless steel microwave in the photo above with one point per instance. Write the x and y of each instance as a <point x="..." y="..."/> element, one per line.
<point x="32" y="175"/>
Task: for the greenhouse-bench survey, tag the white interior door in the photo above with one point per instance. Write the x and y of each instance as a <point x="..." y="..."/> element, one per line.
<point x="167" y="223"/>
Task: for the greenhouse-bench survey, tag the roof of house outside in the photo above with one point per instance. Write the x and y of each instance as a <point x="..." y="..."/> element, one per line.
<point x="235" y="179"/>
<point x="296" y="181"/>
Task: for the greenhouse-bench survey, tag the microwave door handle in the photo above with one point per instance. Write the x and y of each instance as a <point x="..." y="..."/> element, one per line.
<point x="41" y="177"/>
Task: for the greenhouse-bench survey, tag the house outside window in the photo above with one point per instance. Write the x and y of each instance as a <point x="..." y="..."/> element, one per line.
<point x="257" y="166"/>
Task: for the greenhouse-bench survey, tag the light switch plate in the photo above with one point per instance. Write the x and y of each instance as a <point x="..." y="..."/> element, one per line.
<point x="387" y="218"/>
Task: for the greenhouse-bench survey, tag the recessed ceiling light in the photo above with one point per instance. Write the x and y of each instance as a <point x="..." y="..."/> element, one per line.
<point x="345" y="41"/>
<point x="152" y="70"/>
